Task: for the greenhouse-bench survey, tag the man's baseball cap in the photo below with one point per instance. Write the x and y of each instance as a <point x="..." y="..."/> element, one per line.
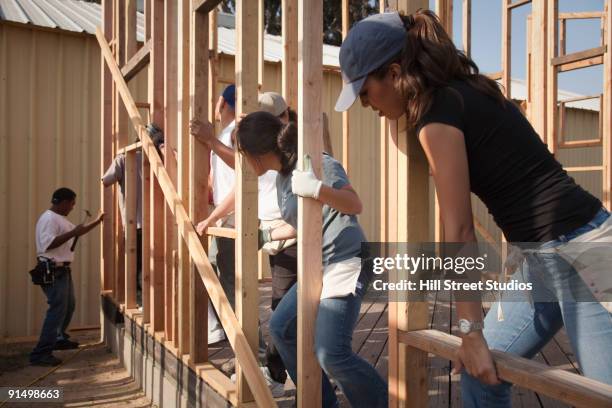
<point x="229" y="94"/>
<point x="273" y="103"/>
<point x="371" y="43"/>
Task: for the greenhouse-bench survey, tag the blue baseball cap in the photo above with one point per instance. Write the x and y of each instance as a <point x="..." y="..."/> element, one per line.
<point x="371" y="43"/>
<point x="229" y="94"/>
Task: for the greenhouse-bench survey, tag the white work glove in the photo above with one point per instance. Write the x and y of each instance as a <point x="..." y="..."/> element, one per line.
<point x="305" y="183"/>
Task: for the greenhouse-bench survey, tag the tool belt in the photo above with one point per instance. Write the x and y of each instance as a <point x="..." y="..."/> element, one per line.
<point x="47" y="271"/>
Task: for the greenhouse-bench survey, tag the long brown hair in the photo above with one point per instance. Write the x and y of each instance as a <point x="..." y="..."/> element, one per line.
<point x="260" y="133"/>
<point x="430" y="61"/>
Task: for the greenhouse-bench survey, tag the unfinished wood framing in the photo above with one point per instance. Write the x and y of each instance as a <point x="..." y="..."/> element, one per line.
<point x="180" y="51"/>
<point x="310" y="142"/>
<point x="171" y="107"/>
<point x="198" y="180"/>
<point x="506" y="48"/>
<point x="236" y="337"/>
<point x="247" y="291"/>
<point x="466" y="33"/>
<point x="290" y="52"/>
<point x="184" y="140"/>
<point x="107" y="263"/>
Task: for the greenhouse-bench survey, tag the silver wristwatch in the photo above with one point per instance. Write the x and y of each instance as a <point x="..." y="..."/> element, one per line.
<point x="467" y="326"/>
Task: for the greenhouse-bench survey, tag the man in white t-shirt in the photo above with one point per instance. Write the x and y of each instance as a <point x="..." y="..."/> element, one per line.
<point x="55" y="237"/>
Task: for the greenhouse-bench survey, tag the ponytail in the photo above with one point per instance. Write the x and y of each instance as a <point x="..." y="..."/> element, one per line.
<point x="286" y="142"/>
<point x="430" y="61"/>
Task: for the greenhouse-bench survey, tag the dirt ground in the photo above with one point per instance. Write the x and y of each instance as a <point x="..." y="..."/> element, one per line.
<point x="89" y="376"/>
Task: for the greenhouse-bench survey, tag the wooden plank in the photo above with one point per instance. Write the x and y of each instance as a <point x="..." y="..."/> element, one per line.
<point x="131" y="193"/>
<point x="581" y="15"/>
<point x="145" y="240"/>
<point x="198" y="180"/>
<point x="121" y="140"/>
<point x="540" y="60"/>
<point x="137" y="62"/>
<point x="212" y="64"/>
<point x="606" y="112"/>
<point x="570" y="66"/>
<point x="233" y="330"/>
<point x="551" y="77"/>
<point x="185" y="141"/>
<point x="444" y="10"/>
<point x="494" y="75"/>
<point x="574" y="144"/>
<point x="506" y="49"/>
<point x="205" y="6"/>
<point x="290" y="52"/>
<point x="222" y="232"/>
<point x="260" y="44"/>
<point x="579" y="56"/>
<point x="130" y="29"/>
<point x="346" y="22"/>
<point x="584" y="168"/>
<point x="467" y="27"/>
<point x="559" y="384"/>
<point x="518" y="3"/>
<point x="412" y="224"/>
<point x="247" y="292"/>
<point x="155" y="242"/>
<point x="310" y="141"/>
<point x="130" y="148"/>
<point x="147" y="21"/>
<point x="562" y="36"/>
<point x="156" y="249"/>
<point x="107" y="263"/>
<point x="217" y="381"/>
<point x="171" y="107"/>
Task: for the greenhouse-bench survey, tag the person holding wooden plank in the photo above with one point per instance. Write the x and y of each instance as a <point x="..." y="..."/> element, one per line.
<point x="270" y="144"/>
<point x="477" y="141"/>
<point x="115" y="173"/>
<point x="55" y="239"/>
<point x="282" y="254"/>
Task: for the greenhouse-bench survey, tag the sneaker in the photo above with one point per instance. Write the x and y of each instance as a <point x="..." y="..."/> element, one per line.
<point x="277" y="389"/>
<point x="216" y="335"/>
<point x="47" y="361"/>
<point x="66" y="344"/>
<point x="229" y="367"/>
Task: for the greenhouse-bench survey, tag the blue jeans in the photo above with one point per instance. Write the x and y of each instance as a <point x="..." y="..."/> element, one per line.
<point x="336" y="320"/>
<point x="60" y="297"/>
<point x="527" y="327"/>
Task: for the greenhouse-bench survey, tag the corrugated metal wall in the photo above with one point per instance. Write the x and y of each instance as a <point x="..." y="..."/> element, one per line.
<point x="49" y="137"/>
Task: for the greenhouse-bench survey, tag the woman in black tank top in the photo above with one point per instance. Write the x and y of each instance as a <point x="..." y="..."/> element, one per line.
<point x="477" y="141"/>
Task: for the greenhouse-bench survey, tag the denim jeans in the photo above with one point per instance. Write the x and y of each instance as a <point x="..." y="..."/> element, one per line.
<point x="527" y="327"/>
<point x="60" y="297"/>
<point x="336" y="320"/>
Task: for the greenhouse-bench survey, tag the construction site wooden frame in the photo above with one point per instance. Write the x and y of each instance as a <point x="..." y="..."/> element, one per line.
<point x="178" y="279"/>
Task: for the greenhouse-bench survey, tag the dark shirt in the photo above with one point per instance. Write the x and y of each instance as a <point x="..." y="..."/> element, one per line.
<point x="529" y="195"/>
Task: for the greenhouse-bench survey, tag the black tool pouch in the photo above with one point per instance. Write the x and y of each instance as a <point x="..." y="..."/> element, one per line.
<point x="44" y="273"/>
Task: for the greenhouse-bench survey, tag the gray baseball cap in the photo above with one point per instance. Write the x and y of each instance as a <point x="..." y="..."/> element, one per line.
<point x="371" y="43"/>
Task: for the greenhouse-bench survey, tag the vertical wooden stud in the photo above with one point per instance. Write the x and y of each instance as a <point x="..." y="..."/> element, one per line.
<point x="310" y="141"/>
<point x="247" y="290"/>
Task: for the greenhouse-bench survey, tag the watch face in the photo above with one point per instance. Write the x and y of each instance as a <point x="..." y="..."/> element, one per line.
<point x="464" y="326"/>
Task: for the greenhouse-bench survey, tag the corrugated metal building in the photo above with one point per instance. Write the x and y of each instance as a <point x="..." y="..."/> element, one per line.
<point x="50" y="130"/>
